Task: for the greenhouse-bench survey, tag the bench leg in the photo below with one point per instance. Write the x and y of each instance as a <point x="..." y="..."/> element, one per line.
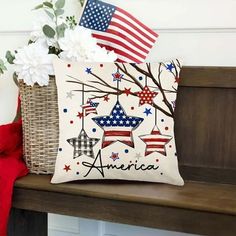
<point x="27" y="223"/>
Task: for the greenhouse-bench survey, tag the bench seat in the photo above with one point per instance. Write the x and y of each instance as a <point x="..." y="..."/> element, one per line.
<point x="202" y="208"/>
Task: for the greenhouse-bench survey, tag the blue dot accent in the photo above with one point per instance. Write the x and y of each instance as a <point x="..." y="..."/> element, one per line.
<point x="60" y="149"/>
<point x="94" y="130"/>
<point x="140" y="78"/>
<point x="65" y="110"/>
<point x="126" y="150"/>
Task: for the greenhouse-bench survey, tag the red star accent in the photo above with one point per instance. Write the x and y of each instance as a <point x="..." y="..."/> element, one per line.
<point x="177" y="80"/>
<point x="67" y="168"/>
<point x="146" y="96"/>
<point x="155" y="142"/>
<point x="80" y="115"/>
<point x="114" y="156"/>
<point x="127" y="91"/>
<point x="106" y="98"/>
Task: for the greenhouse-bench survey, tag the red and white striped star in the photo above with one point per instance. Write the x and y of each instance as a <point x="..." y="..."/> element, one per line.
<point x="155" y="142"/>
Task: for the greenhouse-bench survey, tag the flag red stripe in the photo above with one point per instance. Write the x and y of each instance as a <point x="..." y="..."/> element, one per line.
<point x="85" y="106"/>
<point x="119" y="52"/>
<point x="107" y="143"/>
<point x="119" y="60"/>
<point x="137" y="21"/>
<point x="155" y="132"/>
<point x="131" y="33"/>
<point x="117" y="133"/>
<point x="111" y="31"/>
<point x="149" y="152"/>
<point x="155" y="146"/>
<point x="134" y="27"/>
<point x="109" y="39"/>
<point x="155" y="140"/>
<point x="90" y="109"/>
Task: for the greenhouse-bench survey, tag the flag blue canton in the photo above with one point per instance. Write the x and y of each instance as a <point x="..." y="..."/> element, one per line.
<point x="94" y="104"/>
<point x="118" y="118"/>
<point x="97" y="15"/>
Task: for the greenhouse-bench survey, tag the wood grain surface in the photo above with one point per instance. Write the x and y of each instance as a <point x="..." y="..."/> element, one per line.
<point x="213" y="77"/>
<point x="205" y="195"/>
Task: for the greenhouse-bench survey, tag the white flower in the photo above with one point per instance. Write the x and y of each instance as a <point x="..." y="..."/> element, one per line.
<point x="101" y="55"/>
<point x="79" y="45"/>
<point x="33" y="64"/>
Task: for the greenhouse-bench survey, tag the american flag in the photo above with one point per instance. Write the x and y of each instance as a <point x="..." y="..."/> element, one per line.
<point x="155" y="142"/>
<point x="117" y="30"/>
<point x="90" y="107"/>
<point x="118" y="126"/>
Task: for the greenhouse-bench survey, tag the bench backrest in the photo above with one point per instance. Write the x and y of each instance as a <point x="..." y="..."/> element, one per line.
<point x="206" y="124"/>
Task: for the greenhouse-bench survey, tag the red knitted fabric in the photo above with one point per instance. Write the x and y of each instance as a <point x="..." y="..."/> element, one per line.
<point x="11" y="168"/>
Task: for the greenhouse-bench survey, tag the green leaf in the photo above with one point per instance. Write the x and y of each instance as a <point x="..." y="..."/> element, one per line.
<point x="3" y="67"/>
<point x="49" y="31"/>
<point x="48" y="4"/>
<point x="38" y="7"/>
<point x="10" y="57"/>
<point x="1" y="71"/>
<point x="15" y="79"/>
<point x="81" y="2"/>
<point x="59" y="12"/>
<point x="30" y="42"/>
<point x="49" y="14"/>
<point x="60" y="4"/>
<point x="61" y="30"/>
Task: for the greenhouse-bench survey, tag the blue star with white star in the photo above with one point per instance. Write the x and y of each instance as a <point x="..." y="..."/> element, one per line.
<point x="170" y="67"/>
<point x="118" y="126"/>
<point x="118" y="118"/>
<point x="88" y="70"/>
<point x="147" y="111"/>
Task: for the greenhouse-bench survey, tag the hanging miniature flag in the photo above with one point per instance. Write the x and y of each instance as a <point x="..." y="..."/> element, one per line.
<point x="90" y="107"/>
<point x="118" y="31"/>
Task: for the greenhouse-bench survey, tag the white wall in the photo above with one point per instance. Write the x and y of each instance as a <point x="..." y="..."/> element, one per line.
<point x="200" y="32"/>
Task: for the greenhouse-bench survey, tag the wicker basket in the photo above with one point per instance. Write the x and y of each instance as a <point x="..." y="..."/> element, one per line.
<point x="40" y="126"/>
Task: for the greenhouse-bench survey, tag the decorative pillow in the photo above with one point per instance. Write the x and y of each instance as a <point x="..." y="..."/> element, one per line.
<point x="116" y="121"/>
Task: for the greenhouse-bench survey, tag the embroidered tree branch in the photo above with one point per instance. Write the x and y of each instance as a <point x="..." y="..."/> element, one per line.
<point x="100" y="88"/>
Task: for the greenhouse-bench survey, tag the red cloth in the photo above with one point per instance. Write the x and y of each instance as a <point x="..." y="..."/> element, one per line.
<point x="11" y="168"/>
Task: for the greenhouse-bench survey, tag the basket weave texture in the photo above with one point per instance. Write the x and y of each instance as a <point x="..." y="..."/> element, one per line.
<point x="40" y="126"/>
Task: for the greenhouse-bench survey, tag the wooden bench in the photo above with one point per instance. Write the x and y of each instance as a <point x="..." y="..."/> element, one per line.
<point x="206" y="143"/>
